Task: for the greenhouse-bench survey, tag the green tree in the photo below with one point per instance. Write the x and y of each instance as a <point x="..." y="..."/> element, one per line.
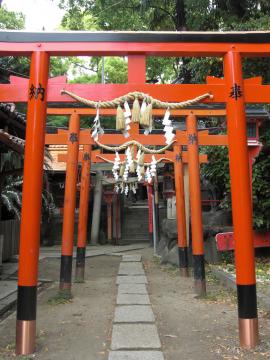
<point x="260" y="185"/>
<point x="216" y="171"/>
<point x="193" y="15"/>
<point x="11" y="20"/>
<point x="9" y="65"/>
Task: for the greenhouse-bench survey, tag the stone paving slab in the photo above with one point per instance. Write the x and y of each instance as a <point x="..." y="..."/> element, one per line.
<point x="135" y="336"/>
<point x="131" y="268"/>
<point x="7" y="288"/>
<point x="132" y="258"/>
<point x="133" y="279"/>
<point x="91" y="251"/>
<point x="132" y="299"/>
<point x="131" y="265"/>
<point x="136" y="355"/>
<point x="8" y="302"/>
<point x="8" y="269"/>
<point x="134" y="314"/>
<point x="132" y="289"/>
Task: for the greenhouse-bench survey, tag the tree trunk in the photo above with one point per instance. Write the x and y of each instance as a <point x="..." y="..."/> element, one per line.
<point x="180" y="15"/>
<point x="181" y="25"/>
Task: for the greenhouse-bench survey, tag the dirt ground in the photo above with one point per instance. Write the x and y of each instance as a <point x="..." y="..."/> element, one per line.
<point x="189" y="328"/>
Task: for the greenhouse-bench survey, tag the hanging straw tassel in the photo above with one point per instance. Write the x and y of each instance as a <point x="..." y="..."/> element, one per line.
<point x="142" y="170"/>
<point x="132" y="165"/>
<point x="122" y="170"/>
<point x="141" y="159"/>
<point x="146" y="119"/>
<point x="120" y="119"/>
<point x="136" y="111"/>
<point x="150" y="115"/>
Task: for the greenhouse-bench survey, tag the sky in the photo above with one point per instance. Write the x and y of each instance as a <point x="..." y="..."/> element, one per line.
<point x="38" y="13"/>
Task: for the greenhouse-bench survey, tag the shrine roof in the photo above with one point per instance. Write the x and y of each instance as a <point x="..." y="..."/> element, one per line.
<point x="12" y="142"/>
<point x="15" y="121"/>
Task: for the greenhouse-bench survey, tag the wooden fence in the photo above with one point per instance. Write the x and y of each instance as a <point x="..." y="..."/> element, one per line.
<point x="10" y="229"/>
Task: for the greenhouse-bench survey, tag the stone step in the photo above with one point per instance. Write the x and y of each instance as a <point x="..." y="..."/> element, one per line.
<point x="131" y="258"/>
<point x="131" y="268"/>
<point x="132" y="279"/>
<point x="132" y="299"/>
<point x="136" y="355"/>
<point x="139" y="289"/>
<point x="135" y="336"/>
<point x="133" y="241"/>
<point x="135" y="236"/>
<point x="134" y="314"/>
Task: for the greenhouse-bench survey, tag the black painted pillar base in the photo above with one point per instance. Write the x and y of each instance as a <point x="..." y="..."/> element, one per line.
<point x="199" y="275"/>
<point x="248" y="316"/>
<point x="183" y="261"/>
<point x="80" y="264"/>
<point x="26" y="320"/>
<point x="65" y="274"/>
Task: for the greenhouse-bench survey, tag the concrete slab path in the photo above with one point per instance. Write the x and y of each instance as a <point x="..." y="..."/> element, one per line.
<point x="134" y="327"/>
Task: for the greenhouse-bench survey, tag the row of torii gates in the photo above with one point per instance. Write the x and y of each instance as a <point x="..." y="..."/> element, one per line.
<point x="232" y="90"/>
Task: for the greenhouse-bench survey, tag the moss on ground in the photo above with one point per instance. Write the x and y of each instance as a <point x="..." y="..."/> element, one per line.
<point x="62" y="297"/>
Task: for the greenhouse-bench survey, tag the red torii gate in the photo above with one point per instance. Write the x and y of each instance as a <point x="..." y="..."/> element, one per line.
<point x="84" y="137"/>
<point x="234" y="91"/>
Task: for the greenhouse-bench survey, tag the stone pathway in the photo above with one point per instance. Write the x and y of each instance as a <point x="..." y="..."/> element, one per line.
<point x="134" y="334"/>
<point x="8" y="282"/>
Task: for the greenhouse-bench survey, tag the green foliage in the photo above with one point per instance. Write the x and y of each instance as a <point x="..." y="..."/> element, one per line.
<point x="59" y="66"/>
<point x="78" y="20"/>
<point x="86" y="122"/>
<point x="217" y="173"/>
<point x="157" y="15"/>
<point x="261" y="188"/>
<point x="11" y="20"/>
<point x="115" y="70"/>
<point x="89" y="70"/>
<point x="10" y="65"/>
<point x="57" y="121"/>
<point x="107" y="14"/>
<point x="163" y="70"/>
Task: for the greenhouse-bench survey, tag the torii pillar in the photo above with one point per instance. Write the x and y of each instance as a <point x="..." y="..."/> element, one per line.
<point x="31" y="204"/>
<point x="83" y="213"/>
<point x="69" y="204"/>
<point x="241" y="200"/>
<point x="180" y="211"/>
<point x="195" y="205"/>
